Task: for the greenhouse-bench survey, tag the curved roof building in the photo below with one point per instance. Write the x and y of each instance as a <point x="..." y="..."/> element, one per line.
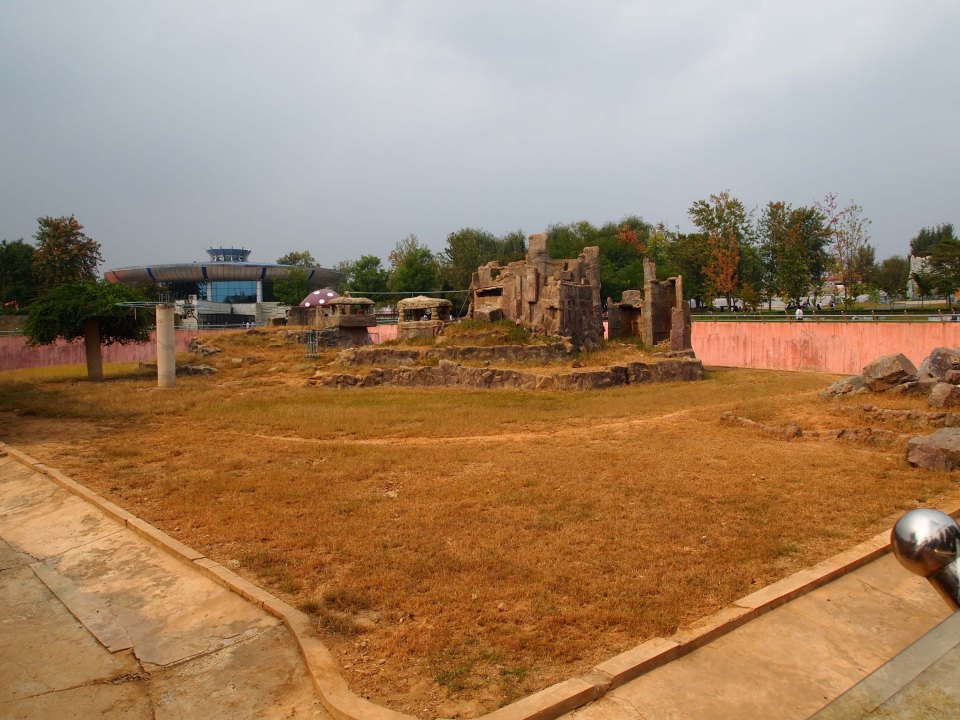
<point x="227" y="277"/>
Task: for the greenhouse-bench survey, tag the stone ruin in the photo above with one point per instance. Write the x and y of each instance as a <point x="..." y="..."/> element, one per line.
<point x="562" y="297"/>
<point x="557" y="297"/>
<point x="422" y="317"/>
<point x="657" y="314"/>
<point x="342" y="321"/>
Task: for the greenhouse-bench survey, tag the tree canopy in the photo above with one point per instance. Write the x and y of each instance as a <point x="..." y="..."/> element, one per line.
<point x="64" y="253"/>
<point x="17" y="284"/>
<point x="298" y="258"/>
<point x="365" y="275"/>
<point x="469" y="248"/>
<point x="413" y="267"/>
<point x="925" y="242"/>
<point x="62" y="312"/>
<point x="295" y="288"/>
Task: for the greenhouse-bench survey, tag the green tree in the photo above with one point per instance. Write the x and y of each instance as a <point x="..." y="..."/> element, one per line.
<point x="728" y="228"/>
<point x="17" y="285"/>
<point x="298" y="258"/>
<point x="925" y="241"/>
<point x="943" y="269"/>
<point x="794" y="250"/>
<point x="295" y="288"/>
<point x="413" y="267"/>
<point x="87" y="310"/>
<point x="688" y="255"/>
<point x="365" y="276"/>
<point x="467" y="249"/>
<point x="64" y="253"/>
<point x="891" y="276"/>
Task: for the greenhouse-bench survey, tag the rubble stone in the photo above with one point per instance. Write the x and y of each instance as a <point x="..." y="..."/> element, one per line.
<point x="944" y="395"/>
<point x="847" y="386"/>
<point x="887" y="371"/>
<point x="939" y="451"/>
<point x="938" y="363"/>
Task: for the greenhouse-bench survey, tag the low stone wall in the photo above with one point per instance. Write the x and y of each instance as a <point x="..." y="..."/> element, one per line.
<point x="377" y="356"/>
<point x="450" y="374"/>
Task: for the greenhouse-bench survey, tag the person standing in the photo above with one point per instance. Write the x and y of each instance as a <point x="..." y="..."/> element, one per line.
<point x="799" y="314"/>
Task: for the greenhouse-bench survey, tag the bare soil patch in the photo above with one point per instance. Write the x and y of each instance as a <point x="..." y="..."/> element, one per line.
<point x="461" y="549"/>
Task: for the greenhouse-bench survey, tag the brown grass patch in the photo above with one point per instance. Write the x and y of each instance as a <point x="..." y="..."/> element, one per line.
<point x="460" y="549"/>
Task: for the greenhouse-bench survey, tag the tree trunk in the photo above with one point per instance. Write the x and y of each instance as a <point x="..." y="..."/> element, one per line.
<point x="91" y="346"/>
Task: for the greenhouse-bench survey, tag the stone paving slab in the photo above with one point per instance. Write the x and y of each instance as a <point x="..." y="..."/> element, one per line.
<point x="95" y="621"/>
<point x="791" y="661"/>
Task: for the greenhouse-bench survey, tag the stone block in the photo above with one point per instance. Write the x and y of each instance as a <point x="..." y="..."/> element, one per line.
<point x="939" y="451"/>
<point x="944" y="395"/>
<point x="938" y="363"/>
<point x="888" y="371"/>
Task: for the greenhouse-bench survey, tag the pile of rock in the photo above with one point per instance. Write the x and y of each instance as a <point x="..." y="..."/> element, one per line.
<point x="198" y="347"/>
<point x="938" y="378"/>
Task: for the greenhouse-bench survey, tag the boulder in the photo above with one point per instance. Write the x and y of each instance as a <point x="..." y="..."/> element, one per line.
<point x="938" y="363"/>
<point x="940" y="451"/>
<point x="847" y="386"/>
<point x="944" y="395"/>
<point x="915" y="387"/>
<point x="195" y="370"/>
<point x="888" y="371"/>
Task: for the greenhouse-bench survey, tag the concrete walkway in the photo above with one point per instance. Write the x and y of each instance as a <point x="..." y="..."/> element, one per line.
<point x="791" y="661"/>
<point x="97" y="622"/>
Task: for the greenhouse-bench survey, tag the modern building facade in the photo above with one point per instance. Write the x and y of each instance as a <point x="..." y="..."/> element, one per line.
<point x="226" y="289"/>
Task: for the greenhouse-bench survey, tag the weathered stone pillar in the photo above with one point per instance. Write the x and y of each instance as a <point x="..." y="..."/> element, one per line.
<point x="649" y="278"/>
<point x="166" y="348"/>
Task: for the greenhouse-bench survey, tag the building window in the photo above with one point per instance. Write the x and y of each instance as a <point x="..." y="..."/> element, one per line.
<point x="234" y="291"/>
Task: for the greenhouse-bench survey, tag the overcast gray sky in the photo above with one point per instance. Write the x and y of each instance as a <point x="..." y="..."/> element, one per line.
<point x="341" y="128"/>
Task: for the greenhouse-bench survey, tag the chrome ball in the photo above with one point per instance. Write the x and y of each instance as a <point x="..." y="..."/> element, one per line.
<point x="925" y="541"/>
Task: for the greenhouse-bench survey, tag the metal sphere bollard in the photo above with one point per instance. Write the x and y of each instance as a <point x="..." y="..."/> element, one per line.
<point x="927" y="543"/>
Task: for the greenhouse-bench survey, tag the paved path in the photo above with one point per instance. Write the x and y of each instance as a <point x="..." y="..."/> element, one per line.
<point x="97" y="622"/>
<point x="793" y="660"/>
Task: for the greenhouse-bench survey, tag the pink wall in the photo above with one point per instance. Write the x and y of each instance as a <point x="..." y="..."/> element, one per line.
<point x="835" y="347"/>
<point x="842" y="348"/>
<point x="15" y="354"/>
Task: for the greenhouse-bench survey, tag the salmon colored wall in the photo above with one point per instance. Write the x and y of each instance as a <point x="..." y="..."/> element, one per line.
<point x="15" y="354"/>
<point x="842" y="348"/>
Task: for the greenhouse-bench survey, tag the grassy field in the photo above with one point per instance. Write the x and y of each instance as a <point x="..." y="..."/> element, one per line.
<point x="460" y="549"/>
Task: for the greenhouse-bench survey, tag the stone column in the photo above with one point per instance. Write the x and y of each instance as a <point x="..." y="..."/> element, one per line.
<point x="259" y="291"/>
<point x="166" y="348"/>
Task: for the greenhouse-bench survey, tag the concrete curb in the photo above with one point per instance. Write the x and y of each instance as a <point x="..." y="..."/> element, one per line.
<point x="547" y="704"/>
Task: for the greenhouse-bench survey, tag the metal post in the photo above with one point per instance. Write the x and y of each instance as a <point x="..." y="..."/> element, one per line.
<point x="166" y="348"/>
<point x="927" y="543"/>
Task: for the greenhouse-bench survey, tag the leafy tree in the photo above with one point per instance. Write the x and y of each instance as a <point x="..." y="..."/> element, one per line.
<point x="943" y="270"/>
<point x="413" y="267"/>
<point x="365" y="276"/>
<point x="891" y="276"/>
<point x="88" y="310"/>
<point x="723" y="264"/>
<point x="295" y="288"/>
<point x="298" y="258"/>
<point x="64" y="254"/>
<point x="851" y="254"/>
<point x="688" y="255"/>
<point x="469" y="248"/>
<point x="925" y="241"/>
<point x="793" y="248"/>
<point x="622" y="246"/>
<point x="728" y="228"/>
<point x="17" y="285"/>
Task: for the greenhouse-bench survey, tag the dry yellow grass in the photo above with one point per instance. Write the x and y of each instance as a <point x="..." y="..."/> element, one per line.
<point x="462" y="548"/>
